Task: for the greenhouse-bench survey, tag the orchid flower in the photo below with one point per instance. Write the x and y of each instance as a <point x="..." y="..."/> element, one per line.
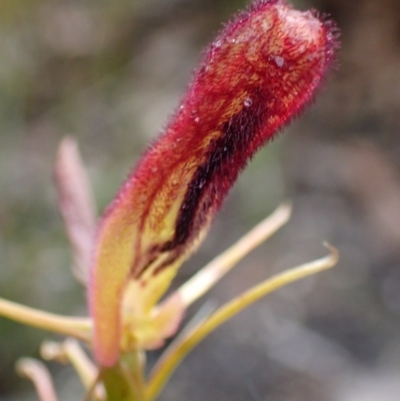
<point x="258" y="74"/>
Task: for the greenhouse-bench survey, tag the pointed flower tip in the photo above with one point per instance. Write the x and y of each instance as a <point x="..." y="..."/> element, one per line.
<point x="259" y="73"/>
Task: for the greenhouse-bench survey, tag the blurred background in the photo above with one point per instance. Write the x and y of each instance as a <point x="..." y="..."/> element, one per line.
<point x="110" y="73"/>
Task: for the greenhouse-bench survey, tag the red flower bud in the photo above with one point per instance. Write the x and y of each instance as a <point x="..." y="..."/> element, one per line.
<point x="262" y="69"/>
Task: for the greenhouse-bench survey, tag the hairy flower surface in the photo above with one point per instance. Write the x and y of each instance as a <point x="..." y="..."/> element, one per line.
<point x="261" y="70"/>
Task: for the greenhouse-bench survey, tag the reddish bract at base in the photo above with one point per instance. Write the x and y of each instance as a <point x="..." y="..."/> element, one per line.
<point x="262" y="69"/>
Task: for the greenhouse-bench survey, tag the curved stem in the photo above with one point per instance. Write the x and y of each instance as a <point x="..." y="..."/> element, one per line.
<point x="40" y="377"/>
<point x="174" y="356"/>
<point x="70" y="351"/>
<point x="210" y="274"/>
<point x="79" y="328"/>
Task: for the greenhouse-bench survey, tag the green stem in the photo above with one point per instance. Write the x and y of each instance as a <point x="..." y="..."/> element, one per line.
<point x="125" y="381"/>
<point x="174" y="356"/>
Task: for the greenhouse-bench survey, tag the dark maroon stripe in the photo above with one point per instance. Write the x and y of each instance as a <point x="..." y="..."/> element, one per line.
<point x="227" y="155"/>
